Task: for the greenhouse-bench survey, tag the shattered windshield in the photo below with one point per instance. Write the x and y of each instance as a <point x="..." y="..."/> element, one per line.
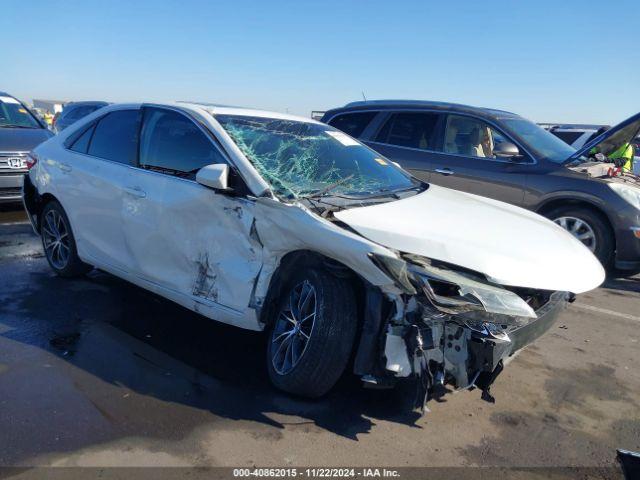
<point x="301" y="159"/>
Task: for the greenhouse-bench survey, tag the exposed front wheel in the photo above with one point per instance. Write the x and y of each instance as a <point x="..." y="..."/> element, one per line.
<point x="590" y="228"/>
<point x="59" y="243"/>
<point x="312" y="333"/>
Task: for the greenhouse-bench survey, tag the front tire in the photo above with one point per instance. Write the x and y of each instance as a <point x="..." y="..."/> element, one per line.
<point x="590" y="228"/>
<point x="312" y="334"/>
<point x="59" y="243"/>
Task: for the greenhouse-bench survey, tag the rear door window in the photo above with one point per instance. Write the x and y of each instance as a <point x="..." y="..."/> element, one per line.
<point x="410" y="129"/>
<point x="172" y="143"/>
<point x="352" y="123"/>
<point x="81" y="144"/>
<point x="116" y="137"/>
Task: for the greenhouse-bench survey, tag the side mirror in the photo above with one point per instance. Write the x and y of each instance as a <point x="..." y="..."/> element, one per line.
<point x="214" y="176"/>
<point x="506" y="150"/>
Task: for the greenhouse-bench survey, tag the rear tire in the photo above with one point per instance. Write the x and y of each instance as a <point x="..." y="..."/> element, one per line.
<point x="604" y="239"/>
<point x="59" y="243"/>
<point x="311" y="366"/>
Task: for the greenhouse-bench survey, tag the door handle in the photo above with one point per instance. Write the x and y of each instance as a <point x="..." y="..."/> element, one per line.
<point x="65" y="167"/>
<point x="135" y="191"/>
<point x="445" y="171"/>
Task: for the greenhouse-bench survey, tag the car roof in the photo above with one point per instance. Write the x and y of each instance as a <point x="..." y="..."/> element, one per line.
<point x="214" y="109"/>
<point x="420" y="104"/>
<point x="217" y="109"/>
<point x="86" y="102"/>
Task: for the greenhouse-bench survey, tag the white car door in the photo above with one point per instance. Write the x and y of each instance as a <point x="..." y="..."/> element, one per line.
<point x="182" y="236"/>
<point x="97" y="164"/>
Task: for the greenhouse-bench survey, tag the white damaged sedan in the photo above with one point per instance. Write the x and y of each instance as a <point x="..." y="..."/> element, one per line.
<point x="273" y="222"/>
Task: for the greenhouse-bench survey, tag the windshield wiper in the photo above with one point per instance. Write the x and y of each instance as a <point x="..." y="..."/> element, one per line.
<point x="327" y="189"/>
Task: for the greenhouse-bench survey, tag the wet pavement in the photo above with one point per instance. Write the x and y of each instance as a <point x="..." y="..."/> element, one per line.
<point x="99" y="372"/>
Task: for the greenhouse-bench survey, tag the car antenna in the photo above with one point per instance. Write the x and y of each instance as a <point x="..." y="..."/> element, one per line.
<point x="363" y="96"/>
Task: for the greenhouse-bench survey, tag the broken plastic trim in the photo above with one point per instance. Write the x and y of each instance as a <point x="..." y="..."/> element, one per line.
<point x="396" y="269"/>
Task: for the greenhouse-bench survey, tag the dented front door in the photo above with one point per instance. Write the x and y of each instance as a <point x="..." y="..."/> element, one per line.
<point x="190" y="239"/>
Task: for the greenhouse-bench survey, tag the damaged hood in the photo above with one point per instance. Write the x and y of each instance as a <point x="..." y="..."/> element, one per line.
<point x="508" y="244"/>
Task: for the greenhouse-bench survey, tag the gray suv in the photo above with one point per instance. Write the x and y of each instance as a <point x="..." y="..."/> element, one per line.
<point x="501" y="155"/>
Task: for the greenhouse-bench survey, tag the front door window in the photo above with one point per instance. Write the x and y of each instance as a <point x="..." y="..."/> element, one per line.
<point x="470" y="137"/>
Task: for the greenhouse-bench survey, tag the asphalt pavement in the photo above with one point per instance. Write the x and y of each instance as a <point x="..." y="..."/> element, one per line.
<point x="98" y="372"/>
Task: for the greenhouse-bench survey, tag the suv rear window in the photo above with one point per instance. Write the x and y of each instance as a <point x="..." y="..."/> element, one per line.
<point x="352" y="123"/>
<point x="116" y="137"/>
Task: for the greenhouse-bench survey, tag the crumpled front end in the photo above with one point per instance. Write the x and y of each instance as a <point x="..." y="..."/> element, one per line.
<point x="451" y="329"/>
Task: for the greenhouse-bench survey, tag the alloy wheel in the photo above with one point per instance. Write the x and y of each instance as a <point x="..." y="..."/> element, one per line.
<point x="579" y="229"/>
<point x="56" y="239"/>
<point x="293" y="328"/>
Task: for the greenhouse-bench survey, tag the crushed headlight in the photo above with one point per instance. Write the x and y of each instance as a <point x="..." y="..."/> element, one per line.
<point x="454" y="293"/>
<point x="472" y="293"/>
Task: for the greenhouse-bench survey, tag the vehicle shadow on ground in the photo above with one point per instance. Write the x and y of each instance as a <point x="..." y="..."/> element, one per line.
<point x="131" y="338"/>
<point x="625" y="284"/>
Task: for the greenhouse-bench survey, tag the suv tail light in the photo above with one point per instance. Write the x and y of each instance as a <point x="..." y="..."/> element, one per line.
<point x="32" y="159"/>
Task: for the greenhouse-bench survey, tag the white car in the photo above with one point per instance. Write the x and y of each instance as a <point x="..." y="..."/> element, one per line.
<point x="273" y="222"/>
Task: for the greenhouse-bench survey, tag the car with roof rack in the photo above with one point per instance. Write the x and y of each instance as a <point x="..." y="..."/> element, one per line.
<point x="501" y="155"/>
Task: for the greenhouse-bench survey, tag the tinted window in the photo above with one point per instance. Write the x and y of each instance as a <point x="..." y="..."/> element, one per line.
<point x="567" y="137"/>
<point x="537" y="140"/>
<point x="170" y="141"/>
<point x="115" y="137"/>
<point x="415" y="130"/>
<point x="82" y="143"/>
<point x="352" y="123"/>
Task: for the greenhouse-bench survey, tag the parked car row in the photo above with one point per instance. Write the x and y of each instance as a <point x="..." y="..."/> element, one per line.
<point x="273" y="222"/>
<point x="337" y="237"/>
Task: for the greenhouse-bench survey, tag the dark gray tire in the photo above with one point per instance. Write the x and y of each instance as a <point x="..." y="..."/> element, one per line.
<point x="331" y="337"/>
<point x="605" y="240"/>
<point x="70" y="264"/>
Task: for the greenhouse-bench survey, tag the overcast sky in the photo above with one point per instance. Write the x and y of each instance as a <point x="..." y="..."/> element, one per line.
<point x="555" y="61"/>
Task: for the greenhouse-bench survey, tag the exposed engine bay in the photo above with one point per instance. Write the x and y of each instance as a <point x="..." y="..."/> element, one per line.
<point x="607" y="170"/>
<point x="450" y="330"/>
